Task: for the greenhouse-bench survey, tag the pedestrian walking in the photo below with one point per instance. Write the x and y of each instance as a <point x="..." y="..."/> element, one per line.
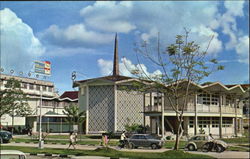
<point x="71" y="140"/>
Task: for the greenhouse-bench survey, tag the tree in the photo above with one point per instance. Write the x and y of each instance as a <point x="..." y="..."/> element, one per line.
<point x="74" y="116"/>
<point x="181" y="63"/>
<point x="13" y="101"/>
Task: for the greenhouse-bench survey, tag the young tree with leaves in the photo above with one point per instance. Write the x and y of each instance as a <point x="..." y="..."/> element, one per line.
<point x="13" y="100"/>
<point x="74" y="115"/>
<point x="181" y="64"/>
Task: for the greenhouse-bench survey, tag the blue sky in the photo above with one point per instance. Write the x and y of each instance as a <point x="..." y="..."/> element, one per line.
<point x="79" y="36"/>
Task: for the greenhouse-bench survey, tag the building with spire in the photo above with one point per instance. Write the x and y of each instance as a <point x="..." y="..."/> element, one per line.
<point x="214" y="108"/>
<point x="109" y="107"/>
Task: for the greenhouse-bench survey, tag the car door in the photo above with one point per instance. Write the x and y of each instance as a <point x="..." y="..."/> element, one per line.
<point x="142" y="141"/>
<point x="200" y="141"/>
<point x="135" y="140"/>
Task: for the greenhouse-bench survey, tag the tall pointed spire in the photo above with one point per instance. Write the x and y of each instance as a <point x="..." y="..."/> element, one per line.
<point x="116" y="59"/>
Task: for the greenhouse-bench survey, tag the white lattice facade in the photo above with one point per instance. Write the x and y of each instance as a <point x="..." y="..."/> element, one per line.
<point x="108" y="107"/>
<point x="129" y="108"/>
<point x="101" y="108"/>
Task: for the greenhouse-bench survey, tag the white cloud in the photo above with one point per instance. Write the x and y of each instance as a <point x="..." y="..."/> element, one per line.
<point x="149" y="18"/>
<point x="228" y="22"/>
<point x="61" y="51"/>
<point x="106" y="66"/>
<point x="242" y="49"/>
<point x="126" y="66"/>
<point x="235" y="8"/>
<point x="75" y="35"/>
<point x="109" y="16"/>
<point x="19" y="46"/>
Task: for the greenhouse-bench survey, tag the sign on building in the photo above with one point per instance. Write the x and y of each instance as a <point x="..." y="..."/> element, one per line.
<point x="43" y="67"/>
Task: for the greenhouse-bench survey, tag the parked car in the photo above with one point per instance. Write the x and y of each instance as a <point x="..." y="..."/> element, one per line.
<point x="5" y="136"/>
<point x="13" y="154"/>
<point x="143" y="140"/>
<point x="201" y="142"/>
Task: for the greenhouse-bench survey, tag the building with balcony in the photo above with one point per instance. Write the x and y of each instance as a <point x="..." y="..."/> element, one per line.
<point x="213" y="108"/>
<point x="52" y="105"/>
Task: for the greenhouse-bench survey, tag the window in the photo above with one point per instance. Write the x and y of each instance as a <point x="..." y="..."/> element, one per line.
<point x="31" y="86"/>
<point x="203" y="122"/>
<point x="204" y="98"/>
<point x="38" y="87"/>
<point x="136" y="137"/>
<point x="44" y="88"/>
<point x="157" y="100"/>
<point x="24" y="85"/>
<point x="50" y="89"/>
<point x="191" y="123"/>
<point x="227" y="122"/>
<point x="215" y="122"/>
<point x="215" y="100"/>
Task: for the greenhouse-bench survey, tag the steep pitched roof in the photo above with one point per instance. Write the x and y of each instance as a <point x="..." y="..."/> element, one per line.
<point x="73" y="95"/>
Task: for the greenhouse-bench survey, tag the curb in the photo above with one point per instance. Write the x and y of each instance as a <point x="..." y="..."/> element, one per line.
<point x="49" y="154"/>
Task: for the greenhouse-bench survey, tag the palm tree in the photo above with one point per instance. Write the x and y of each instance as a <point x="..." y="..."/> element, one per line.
<point x="74" y="115"/>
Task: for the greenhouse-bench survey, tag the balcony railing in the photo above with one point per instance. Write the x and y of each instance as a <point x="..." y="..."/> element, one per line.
<point x="152" y="108"/>
<point x="200" y="108"/>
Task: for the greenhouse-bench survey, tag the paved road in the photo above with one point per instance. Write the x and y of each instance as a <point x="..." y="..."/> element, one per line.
<point x="225" y="154"/>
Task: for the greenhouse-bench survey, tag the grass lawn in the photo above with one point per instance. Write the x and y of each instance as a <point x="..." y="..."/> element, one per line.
<point x="170" y="144"/>
<point x="108" y="153"/>
<point x="237" y="140"/>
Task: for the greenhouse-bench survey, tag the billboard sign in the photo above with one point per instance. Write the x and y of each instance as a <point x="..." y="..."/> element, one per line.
<point x="43" y="67"/>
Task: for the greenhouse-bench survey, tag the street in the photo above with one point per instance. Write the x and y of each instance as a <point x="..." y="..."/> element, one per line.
<point x="225" y="154"/>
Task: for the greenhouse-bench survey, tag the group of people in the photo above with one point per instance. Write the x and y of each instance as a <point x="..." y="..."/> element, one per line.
<point x="105" y="140"/>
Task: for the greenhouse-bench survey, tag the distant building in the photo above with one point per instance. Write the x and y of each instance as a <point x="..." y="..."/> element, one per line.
<point x="52" y="105"/>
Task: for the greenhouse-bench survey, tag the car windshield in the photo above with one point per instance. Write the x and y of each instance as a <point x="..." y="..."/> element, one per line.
<point x="150" y="137"/>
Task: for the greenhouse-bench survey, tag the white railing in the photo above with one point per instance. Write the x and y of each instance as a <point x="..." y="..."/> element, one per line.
<point x="152" y="108"/>
<point x="208" y="108"/>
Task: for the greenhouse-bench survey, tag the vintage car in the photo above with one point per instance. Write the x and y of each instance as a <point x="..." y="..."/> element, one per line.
<point x="144" y="140"/>
<point x="202" y="142"/>
<point x="12" y="154"/>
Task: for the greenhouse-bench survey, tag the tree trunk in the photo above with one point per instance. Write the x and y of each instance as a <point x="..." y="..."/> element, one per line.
<point x="178" y="134"/>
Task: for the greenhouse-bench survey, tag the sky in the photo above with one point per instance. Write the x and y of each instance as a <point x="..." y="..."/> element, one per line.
<point x="79" y="36"/>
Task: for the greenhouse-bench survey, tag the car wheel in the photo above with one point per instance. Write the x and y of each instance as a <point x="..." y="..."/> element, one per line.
<point x="191" y="147"/>
<point x="219" y="148"/>
<point x="154" y="146"/>
<point x="131" y="145"/>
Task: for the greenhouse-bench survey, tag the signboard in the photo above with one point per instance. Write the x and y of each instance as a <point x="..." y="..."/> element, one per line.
<point x="42" y="67"/>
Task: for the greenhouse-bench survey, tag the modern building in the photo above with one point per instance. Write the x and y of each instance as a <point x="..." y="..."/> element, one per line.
<point x="213" y="108"/>
<point x="52" y="104"/>
<point x="109" y="107"/>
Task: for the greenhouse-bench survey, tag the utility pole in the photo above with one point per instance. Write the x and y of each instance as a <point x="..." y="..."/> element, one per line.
<point x="40" y="144"/>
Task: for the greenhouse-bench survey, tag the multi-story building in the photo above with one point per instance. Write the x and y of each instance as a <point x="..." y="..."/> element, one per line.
<point x="214" y="108"/>
<point x="52" y="104"/>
